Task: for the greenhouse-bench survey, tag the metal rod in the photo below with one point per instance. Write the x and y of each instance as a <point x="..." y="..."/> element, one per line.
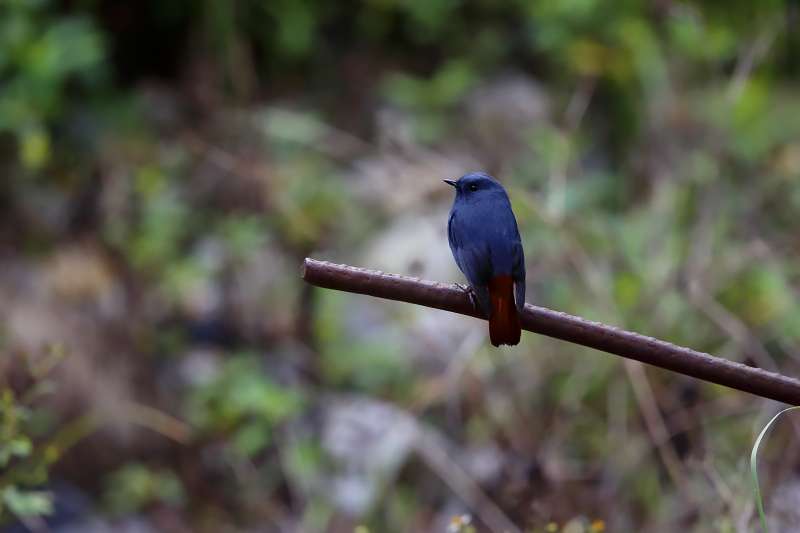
<point x="559" y="326"/>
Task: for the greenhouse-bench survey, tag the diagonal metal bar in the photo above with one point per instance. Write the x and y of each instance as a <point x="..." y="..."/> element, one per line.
<point x="559" y="326"/>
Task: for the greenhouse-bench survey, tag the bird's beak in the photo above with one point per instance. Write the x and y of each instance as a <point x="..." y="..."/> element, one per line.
<point x="450" y="182"/>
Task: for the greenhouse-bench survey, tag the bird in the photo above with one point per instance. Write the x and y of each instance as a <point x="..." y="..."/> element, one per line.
<point x="486" y="245"/>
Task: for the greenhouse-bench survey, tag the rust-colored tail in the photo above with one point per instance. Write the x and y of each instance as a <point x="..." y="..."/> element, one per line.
<point x="504" y="327"/>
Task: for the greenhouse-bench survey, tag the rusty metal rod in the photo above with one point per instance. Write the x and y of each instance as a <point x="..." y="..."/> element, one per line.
<point x="559" y="326"/>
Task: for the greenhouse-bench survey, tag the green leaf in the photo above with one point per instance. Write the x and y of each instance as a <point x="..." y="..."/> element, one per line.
<point x="135" y="485"/>
<point x="19" y="446"/>
<point x="253" y="437"/>
<point x="34" y="147"/>
<point x="27" y="503"/>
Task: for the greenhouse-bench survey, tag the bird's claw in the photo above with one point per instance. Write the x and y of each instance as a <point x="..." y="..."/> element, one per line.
<point x="470" y="293"/>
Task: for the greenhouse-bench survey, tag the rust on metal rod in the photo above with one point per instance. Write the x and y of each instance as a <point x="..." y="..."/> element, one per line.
<point x="559" y="326"/>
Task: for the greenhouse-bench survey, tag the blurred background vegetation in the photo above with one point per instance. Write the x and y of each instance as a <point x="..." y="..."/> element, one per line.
<point x="166" y="165"/>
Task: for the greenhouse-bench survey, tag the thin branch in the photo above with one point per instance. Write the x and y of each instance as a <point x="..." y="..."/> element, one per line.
<point x="434" y="452"/>
<point x="559" y="326"/>
<point x="657" y="429"/>
<point x="750" y="59"/>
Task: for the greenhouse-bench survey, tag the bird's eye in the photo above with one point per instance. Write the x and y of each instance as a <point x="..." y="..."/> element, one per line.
<point x="473" y="187"/>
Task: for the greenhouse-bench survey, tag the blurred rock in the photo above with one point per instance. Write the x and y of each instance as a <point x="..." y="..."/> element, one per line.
<point x="500" y="114"/>
<point x="370" y="440"/>
<point x="394" y="129"/>
<point x="403" y="174"/>
<point x="510" y="100"/>
<point x="400" y="183"/>
<point x="783" y="508"/>
<point x="414" y="245"/>
<point x="484" y="463"/>
<point x="199" y="366"/>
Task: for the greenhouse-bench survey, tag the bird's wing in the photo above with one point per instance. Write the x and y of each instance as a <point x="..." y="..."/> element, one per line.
<point x="452" y="239"/>
<point x="474" y="261"/>
<point x="518" y="273"/>
<point x="477" y="267"/>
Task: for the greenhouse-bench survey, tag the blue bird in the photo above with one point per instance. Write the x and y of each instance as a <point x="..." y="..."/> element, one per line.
<point x="485" y="242"/>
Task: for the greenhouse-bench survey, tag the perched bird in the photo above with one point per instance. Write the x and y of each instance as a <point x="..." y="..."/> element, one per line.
<point x="485" y="243"/>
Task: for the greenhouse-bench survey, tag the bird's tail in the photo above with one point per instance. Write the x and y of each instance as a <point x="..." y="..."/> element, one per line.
<point x="504" y="327"/>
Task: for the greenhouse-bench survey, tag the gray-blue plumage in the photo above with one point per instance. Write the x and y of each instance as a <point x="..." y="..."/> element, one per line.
<point x="484" y="237"/>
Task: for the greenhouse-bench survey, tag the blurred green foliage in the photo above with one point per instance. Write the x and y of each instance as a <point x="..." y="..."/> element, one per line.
<point x="23" y="467"/>
<point x="653" y="167"/>
<point x="244" y="403"/>
<point x="134" y="486"/>
<point x="16" y="498"/>
<point x="39" y="55"/>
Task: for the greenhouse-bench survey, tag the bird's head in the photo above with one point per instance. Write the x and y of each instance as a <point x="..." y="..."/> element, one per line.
<point x="475" y="185"/>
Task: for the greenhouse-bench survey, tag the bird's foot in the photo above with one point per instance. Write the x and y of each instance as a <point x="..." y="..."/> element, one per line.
<point x="470" y="293"/>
